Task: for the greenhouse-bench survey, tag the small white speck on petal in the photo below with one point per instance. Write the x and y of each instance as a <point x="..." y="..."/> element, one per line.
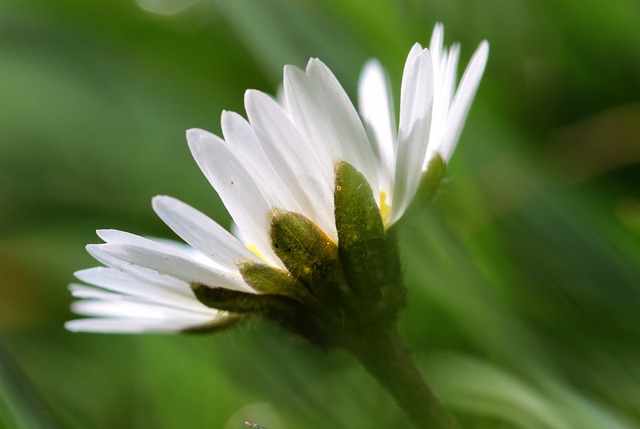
<point x="248" y="203"/>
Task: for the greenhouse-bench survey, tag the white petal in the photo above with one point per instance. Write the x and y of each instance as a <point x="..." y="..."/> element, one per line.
<point x="281" y="98"/>
<point x="237" y="233"/>
<point x="184" y="249"/>
<point x="248" y="203"/>
<point x="160" y="244"/>
<point x="376" y="108"/>
<point x="203" y="233"/>
<point x="323" y="119"/>
<point x="415" y="51"/>
<point x="117" y="281"/>
<point x="443" y="91"/>
<point x="90" y="292"/>
<point x="295" y="163"/>
<point x="138" y="310"/>
<point x="416" y="103"/>
<point x="127" y="326"/>
<point x="436" y="45"/>
<point x="342" y="123"/>
<point x="243" y="141"/>
<point x="123" y="237"/>
<point x="194" y="306"/>
<point x="182" y="268"/>
<point x="463" y="99"/>
<point x="449" y="78"/>
<point x="140" y="273"/>
<point x="122" y="283"/>
<point x="298" y="89"/>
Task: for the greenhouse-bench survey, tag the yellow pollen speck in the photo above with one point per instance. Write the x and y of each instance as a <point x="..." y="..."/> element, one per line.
<point x="259" y="255"/>
<point x="254" y="250"/>
<point x="384" y="207"/>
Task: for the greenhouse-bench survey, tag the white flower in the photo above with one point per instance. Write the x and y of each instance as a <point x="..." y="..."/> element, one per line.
<point x="282" y="157"/>
<point x="432" y="114"/>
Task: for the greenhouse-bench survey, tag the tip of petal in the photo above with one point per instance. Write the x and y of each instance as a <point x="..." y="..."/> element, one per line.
<point x="437" y="35"/>
<point x="157" y="199"/>
<point x="224" y="116"/>
<point x="104" y="233"/>
<point x="476" y="66"/>
<point x="249" y="95"/>
<point x="160" y="203"/>
<point x="72" y="326"/>
<point x="288" y="69"/>
<point x="252" y="97"/>
<point x="110" y="234"/>
<point x="81" y="274"/>
<point x="315" y="64"/>
<point x="91" y="247"/>
<point x="162" y="200"/>
<point x="371" y="67"/>
<point x="95" y="250"/>
<point x="309" y="64"/>
<point x="198" y="136"/>
<point x="194" y="134"/>
<point x="290" y="72"/>
<point x="416" y="48"/>
<point x="483" y="51"/>
<point x="198" y="140"/>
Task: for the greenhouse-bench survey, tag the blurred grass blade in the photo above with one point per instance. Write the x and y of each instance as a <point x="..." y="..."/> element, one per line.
<point x="20" y="405"/>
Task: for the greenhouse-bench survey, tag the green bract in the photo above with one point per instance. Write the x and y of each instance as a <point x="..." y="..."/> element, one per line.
<point x="330" y="293"/>
<point x="368" y="255"/>
<point x="432" y="178"/>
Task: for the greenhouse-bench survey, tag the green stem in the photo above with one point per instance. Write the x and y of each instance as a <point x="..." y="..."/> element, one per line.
<point x="385" y="356"/>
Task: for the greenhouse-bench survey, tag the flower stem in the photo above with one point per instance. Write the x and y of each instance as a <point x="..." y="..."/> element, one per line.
<point x="385" y="356"/>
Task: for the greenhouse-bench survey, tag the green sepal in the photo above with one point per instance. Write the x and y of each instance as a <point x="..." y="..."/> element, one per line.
<point x="282" y="310"/>
<point x="357" y="214"/>
<point x="368" y="255"/>
<point x="432" y="179"/>
<point x="307" y="252"/>
<point x="268" y="280"/>
<point x="235" y="301"/>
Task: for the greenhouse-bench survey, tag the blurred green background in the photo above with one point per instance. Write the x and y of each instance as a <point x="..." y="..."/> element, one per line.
<point x="524" y="290"/>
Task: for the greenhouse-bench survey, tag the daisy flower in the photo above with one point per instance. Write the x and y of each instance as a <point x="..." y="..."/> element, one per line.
<point x="282" y="160"/>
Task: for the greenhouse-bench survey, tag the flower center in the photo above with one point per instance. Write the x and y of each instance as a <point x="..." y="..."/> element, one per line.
<point x="384" y="207"/>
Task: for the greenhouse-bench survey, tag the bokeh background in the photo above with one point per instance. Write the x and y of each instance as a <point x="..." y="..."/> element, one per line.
<point x="523" y="277"/>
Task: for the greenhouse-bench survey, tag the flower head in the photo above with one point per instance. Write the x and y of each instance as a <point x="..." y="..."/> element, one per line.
<point x="305" y="179"/>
